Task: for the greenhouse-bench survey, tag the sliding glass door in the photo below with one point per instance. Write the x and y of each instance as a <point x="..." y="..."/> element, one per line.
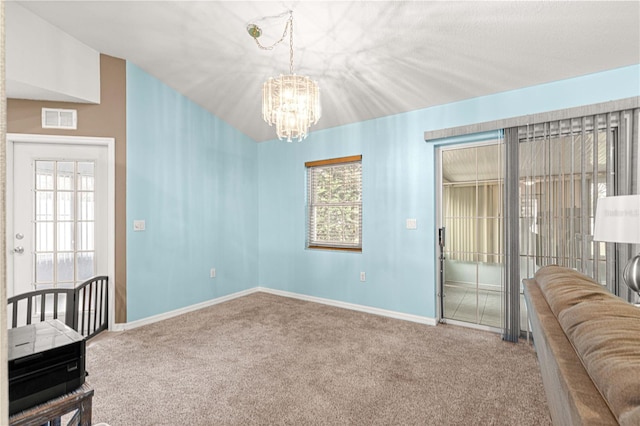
<point x="527" y="200"/>
<point x="473" y="261"/>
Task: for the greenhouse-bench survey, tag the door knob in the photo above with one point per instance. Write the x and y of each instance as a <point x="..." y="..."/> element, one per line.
<point x="18" y="250"/>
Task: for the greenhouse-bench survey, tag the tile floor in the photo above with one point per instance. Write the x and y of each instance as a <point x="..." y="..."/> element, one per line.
<point x="477" y="307"/>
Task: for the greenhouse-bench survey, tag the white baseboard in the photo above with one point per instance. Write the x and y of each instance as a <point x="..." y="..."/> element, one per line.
<point x="191" y="308"/>
<point x="336" y="303"/>
<point x="352" y="306"/>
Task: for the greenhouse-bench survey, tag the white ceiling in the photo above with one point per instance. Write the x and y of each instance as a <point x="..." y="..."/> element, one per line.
<point x="371" y="59"/>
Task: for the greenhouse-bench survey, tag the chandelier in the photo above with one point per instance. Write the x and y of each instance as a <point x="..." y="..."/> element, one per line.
<point x="290" y="102"/>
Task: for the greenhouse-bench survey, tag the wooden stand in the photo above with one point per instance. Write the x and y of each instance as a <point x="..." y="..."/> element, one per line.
<point x="51" y="411"/>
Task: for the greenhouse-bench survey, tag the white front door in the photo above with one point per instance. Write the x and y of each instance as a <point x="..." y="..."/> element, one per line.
<point x="58" y="219"/>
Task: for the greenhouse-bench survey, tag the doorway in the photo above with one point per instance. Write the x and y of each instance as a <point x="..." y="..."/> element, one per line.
<point x="471" y="213"/>
<point x="60" y="212"/>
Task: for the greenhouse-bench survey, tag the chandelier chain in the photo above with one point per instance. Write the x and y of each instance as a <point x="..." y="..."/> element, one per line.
<point x="291" y="43"/>
<point x="288" y="29"/>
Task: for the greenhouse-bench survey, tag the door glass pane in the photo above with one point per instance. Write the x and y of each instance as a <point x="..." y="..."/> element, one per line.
<point x="65" y="266"/>
<point x="85" y="206"/>
<point x="44" y="205"/>
<point x="44" y="175"/>
<point x="472" y="215"/>
<point x="85" y="267"/>
<point x="64" y="206"/>
<point x="44" y="267"/>
<point x="85" y="236"/>
<point x="44" y="236"/>
<point x="65" y="236"/>
<point x="65" y="175"/>
<point x="85" y="176"/>
<point x="490" y="279"/>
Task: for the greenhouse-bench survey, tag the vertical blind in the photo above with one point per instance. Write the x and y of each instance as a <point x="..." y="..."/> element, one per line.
<point x="472" y="217"/>
<point x="563" y="168"/>
<point x="334" y="202"/>
<point x="512" y="297"/>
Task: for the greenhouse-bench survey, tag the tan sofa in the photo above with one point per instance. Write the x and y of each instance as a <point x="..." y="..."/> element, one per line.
<point x="588" y="346"/>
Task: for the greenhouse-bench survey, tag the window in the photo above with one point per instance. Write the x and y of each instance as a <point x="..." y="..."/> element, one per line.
<point x="334" y="201"/>
<point x="64" y="222"/>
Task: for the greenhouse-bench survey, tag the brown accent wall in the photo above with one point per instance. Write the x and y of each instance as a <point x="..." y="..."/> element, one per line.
<point x="107" y="119"/>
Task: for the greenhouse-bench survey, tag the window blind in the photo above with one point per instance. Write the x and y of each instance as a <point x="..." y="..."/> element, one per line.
<point x="334" y="202"/>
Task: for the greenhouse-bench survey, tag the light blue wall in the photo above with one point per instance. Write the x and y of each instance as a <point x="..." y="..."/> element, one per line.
<point x="392" y="256"/>
<point x="398" y="183"/>
<point x="212" y="197"/>
<point x="193" y="179"/>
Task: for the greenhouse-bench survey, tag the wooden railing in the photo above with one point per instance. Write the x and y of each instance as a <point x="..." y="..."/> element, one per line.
<point x="84" y="308"/>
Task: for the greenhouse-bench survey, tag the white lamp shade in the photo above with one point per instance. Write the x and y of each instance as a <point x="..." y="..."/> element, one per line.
<point x="618" y="219"/>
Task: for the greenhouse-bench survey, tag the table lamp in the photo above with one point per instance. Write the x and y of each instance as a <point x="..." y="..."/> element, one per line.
<point x="618" y="221"/>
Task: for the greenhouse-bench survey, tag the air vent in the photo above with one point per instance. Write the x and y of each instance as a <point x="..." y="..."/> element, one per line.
<point x="59" y="118"/>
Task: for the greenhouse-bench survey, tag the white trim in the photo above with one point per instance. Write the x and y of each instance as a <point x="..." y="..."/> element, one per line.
<point x="155" y="318"/>
<point x="352" y="306"/>
<point x="60" y="139"/>
<point x="110" y="143"/>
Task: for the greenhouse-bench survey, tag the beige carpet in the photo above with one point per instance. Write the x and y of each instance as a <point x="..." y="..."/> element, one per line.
<point x="264" y="359"/>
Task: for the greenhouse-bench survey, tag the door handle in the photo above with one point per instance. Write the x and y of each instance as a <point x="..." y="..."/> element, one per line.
<point x="18" y="250"/>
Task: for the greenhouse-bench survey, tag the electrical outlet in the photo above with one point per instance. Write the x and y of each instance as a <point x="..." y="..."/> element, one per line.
<point x="363" y="276"/>
<point x="212" y="273"/>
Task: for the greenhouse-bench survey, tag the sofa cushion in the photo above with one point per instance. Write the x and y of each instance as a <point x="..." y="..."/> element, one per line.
<point x="572" y="397"/>
<point x="563" y="288"/>
<point x="606" y="336"/>
<point x="604" y="331"/>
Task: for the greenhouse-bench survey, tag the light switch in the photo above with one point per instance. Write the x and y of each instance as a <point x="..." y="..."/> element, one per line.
<point x="412" y="224"/>
<point x="138" y="225"/>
